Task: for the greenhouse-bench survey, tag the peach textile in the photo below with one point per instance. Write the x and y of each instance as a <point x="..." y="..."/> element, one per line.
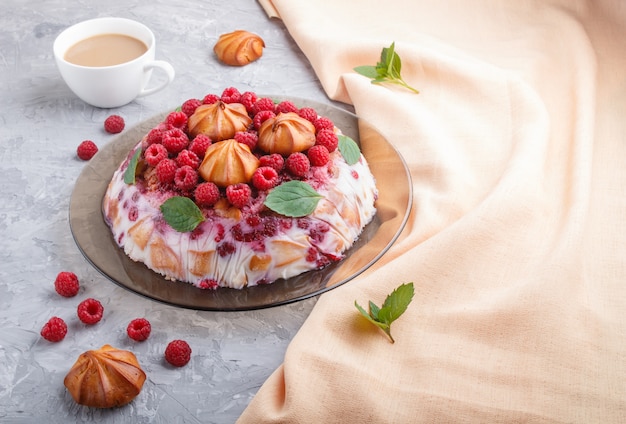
<point x="516" y="146"/>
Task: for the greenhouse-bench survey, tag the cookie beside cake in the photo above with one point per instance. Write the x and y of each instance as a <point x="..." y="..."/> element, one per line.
<point x="235" y="191"/>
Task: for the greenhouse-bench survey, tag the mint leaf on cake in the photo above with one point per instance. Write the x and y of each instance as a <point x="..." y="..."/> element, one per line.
<point x="181" y="213"/>
<point x="131" y="170"/>
<point x="293" y="199"/>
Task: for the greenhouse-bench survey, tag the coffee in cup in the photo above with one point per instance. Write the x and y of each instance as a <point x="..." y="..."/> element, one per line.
<point x="108" y="62"/>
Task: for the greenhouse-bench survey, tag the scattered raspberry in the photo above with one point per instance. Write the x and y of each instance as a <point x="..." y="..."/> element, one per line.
<point x="199" y="145"/>
<point x="190" y="106"/>
<point x="261" y="117"/>
<point x="298" y="164"/>
<point x="139" y="329"/>
<point x="166" y="171"/>
<point x="265" y="178"/>
<point x="90" y="311"/>
<point x="178" y="353"/>
<point x="238" y="194"/>
<point x="209" y="99"/>
<point x="54" y="330"/>
<point x="176" y="120"/>
<point x="154" y="136"/>
<point x="207" y="194"/>
<point x="323" y="123"/>
<point x="66" y="284"/>
<point x="248" y="99"/>
<point x="318" y="155"/>
<point x="264" y="103"/>
<point x="285" y="107"/>
<point x="154" y="154"/>
<point x="86" y="150"/>
<point x="248" y="138"/>
<point x="328" y="139"/>
<point x="274" y="160"/>
<point x="231" y="95"/>
<point x="114" y="124"/>
<point x="189" y="158"/>
<point x="185" y="178"/>
<point x="175" y="140"/>
<point x="308" y="113"/>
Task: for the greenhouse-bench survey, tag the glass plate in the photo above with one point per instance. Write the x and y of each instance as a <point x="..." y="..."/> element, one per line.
<point x="94" y="239"/>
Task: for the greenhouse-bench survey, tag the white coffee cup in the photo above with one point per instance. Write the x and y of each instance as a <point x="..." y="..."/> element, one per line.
<point x="114" y="85"/>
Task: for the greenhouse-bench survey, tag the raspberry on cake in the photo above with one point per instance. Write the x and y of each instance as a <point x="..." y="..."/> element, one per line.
<point x="246" y="192"/>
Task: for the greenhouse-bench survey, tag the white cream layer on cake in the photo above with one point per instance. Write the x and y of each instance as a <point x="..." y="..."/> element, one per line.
<point x="242" y="248"/>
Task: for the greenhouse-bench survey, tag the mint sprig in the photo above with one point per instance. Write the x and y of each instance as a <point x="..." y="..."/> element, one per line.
<point x="386" y="70"/>
<point x="393" y="307"/>
<point x="293" y="198"/>
<point x="349" y="149"/>
<point x="181" y="213"/>
<point x="131" y="169"/>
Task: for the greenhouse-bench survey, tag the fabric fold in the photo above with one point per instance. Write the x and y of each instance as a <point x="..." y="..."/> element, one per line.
<point x="514" y="240"/>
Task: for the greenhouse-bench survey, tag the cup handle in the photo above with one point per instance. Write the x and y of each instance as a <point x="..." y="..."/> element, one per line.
<point x="169" y="71"/>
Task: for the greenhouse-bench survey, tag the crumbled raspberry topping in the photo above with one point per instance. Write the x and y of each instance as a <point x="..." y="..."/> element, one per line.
<point x="208" y="284"/>
<point x="226" y="248"/>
